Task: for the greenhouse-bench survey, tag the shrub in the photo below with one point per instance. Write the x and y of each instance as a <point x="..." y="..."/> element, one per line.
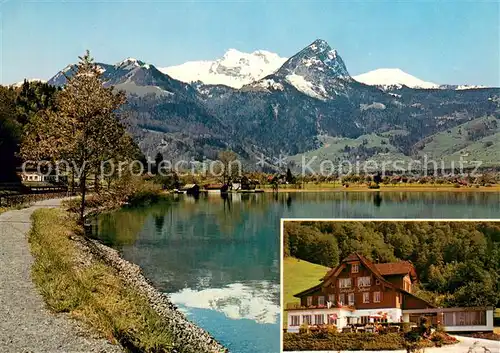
<point x="383" y="330"/>
<point x="328" y="329"/>
<point x="342" y="341"/>
<point x="304" y="328"/>
<point x="405" y="327"/>
<point x="334" y="341"/>
<point x="437" y="338"/>
<point x="442" y="338"/>
<point x="373" y="185"/>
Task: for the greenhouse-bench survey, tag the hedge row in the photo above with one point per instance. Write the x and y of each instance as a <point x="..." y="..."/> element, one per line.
<point x="342" y="341"/>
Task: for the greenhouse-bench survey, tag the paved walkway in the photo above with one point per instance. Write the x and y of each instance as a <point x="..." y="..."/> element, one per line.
<point x="25" y="324"/>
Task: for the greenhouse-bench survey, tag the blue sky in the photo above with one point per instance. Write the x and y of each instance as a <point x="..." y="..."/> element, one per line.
<point x="439" y="41"/>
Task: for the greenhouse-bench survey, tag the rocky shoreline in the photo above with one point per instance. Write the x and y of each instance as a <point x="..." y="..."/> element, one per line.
<point x="187" y="336"/>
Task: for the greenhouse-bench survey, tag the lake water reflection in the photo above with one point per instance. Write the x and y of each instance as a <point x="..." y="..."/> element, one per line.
<point x="218" y="257"/>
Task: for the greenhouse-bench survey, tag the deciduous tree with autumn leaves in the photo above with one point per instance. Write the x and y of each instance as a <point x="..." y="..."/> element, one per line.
<point x="85" y="130"/>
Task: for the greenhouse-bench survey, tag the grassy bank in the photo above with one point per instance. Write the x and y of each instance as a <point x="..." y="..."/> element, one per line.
<point x="299" y="275"/>
<point x="73" y="281"/>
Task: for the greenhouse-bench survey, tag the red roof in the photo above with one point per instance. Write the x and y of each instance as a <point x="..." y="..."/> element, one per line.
<point x="379" y="269"/>
<point x="367" y="263"/>
<point x="395" y="268"/>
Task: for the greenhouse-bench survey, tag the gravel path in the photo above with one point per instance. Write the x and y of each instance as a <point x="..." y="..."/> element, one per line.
<point x="25" y="324"/>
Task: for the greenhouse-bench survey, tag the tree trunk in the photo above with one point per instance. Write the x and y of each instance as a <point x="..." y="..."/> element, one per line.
<point x="96" y="183"/>
<point x="83" y="189"/>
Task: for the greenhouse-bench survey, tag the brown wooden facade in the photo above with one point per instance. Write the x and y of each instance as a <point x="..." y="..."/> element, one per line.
<point x="359" y="284"/>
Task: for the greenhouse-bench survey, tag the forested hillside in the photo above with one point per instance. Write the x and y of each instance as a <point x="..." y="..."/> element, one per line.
<point x="17" y="106"/>
<point x="458" y="263"/>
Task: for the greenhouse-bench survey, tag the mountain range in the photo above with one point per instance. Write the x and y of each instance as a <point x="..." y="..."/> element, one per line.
<point x="260" y="104"/>
<point x="236" y="69"/>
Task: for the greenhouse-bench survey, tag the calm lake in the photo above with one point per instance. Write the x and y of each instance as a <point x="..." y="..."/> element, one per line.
<point x="218" y="258"/>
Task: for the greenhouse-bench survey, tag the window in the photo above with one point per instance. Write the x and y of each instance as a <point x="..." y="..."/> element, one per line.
<point x="354" y="268"/>
<point x="307" y="319"/>
<point x="319" y="319"/>
<point x="364" y="281"/>
<point x="376" y="297"/>
<point x="342" y="298"/>
<point x="365" y="320"/>
<point x="294" y="320"/>
<point x="351" y="298"/>
<point x="344" y="282"/>
<point x="331" y="298"/>
<point x="465" y="318"/>
<point x="321" y="300"/>
<point x="309" y="301"/>
<point x="377" y="282"/>
<point x="366" y="297"/>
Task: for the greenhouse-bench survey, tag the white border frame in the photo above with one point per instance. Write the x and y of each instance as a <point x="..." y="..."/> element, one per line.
<point x="282" y="253"/>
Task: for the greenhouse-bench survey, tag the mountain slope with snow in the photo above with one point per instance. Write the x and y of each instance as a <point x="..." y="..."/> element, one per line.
<point x="235" y="69"/>
<point x="393" y="77"/>
<point x="317" y="71"/>
<point x="309" y="99"/>
<point x="20" y="83"/>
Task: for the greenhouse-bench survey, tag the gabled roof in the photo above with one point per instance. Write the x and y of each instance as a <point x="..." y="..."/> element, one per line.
<point x="367" y="263"/>
<point x="379" y="271"/>
<point x="418" y="298"/>
<point x="397" y="268"/>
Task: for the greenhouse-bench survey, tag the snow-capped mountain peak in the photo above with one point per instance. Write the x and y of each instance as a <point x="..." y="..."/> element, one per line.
<point x="317" y="56"/>
<point x="317" y="70"/>
<point x="393" y="77"/>
<point x="130" y="64"/>
<point x="234" y="69"/>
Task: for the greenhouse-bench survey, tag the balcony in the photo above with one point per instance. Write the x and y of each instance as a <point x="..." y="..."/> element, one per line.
<point x="298" y="306"/>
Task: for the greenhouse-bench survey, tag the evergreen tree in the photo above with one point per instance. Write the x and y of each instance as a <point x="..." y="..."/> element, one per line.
<point x="289" y="176"/>
<point x="10" y="134"/>
<point x="158" y="161"/>
<point x="34" y="97"/>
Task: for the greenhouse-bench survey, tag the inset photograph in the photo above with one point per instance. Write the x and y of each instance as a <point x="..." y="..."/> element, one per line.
<point x="391" y="285"/>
